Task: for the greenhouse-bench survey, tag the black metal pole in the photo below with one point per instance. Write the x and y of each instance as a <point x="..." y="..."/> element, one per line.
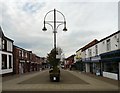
<point x="55" y="32"/>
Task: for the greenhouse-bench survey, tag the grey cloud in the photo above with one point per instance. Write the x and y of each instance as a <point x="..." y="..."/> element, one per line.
<point x="31" y="7"/>
<point x="85" y="22"/>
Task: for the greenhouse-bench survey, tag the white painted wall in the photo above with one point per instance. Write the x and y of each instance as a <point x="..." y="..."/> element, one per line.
<point x="110" y="75"/>
<point x="87" y="65"/>
<point x="102" y="46"/>
<point x="83" y="54"/>
<point x="87" y="53"/>
<point x="93" y="50"/>
<point x="5" y="71"/>
<point x="114" y="40"/>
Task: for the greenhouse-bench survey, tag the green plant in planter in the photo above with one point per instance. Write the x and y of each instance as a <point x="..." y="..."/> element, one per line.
<point x="55" y="71"/>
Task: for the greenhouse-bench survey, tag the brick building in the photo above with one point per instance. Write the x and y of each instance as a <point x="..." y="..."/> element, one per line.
<point x="25" y="61"/>
<point x="69" y="61"/>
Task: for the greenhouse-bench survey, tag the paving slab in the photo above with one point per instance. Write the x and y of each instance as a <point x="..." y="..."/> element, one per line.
<point x="33" y="83"/>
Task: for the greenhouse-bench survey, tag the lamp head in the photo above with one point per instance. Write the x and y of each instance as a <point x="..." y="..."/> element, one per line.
<point x="44" y="28"/>
<point x="65" y="29"/>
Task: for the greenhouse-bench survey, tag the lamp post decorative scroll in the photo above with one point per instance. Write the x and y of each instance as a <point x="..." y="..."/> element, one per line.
<point x="54" y="25"/>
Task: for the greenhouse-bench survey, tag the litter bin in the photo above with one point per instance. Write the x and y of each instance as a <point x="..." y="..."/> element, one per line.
<point x="98" y="72"/>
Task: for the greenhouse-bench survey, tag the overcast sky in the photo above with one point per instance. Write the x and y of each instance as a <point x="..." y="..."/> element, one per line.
<point x="22" y="21"/>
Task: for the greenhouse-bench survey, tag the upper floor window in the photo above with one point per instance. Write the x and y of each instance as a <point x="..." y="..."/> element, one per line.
<point x="96" y="49"/>
<point x="89" y="52"/>
<point x="9" y="46"/>
<point x="0" y="43"/>
<point x="108" y="45"/>
<point x="4" y="44"/>
<point x="30" y="56"/>
<point x="20" y="53"/>
<point x="26" y="54"/>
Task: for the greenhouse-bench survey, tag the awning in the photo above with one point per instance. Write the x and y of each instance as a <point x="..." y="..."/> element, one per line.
<point x="115" y="53"/>
<point x="96" y="59"/>
<point x="92" y="59"/>
<point x="115" y="59"/>
<point x="86" y="60"/>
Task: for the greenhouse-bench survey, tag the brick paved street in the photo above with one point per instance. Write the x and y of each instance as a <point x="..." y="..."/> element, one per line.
<point x="71" y="81"/>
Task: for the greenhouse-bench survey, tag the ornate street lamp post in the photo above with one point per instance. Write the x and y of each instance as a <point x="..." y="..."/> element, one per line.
<point x="54" y="27"/>
<point x="54" y="74"/>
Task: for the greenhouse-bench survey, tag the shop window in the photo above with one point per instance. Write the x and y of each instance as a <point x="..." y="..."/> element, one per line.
<point x="4" y="61"/>
<point x="10" y="61"/>
<point x="111" y="67"/>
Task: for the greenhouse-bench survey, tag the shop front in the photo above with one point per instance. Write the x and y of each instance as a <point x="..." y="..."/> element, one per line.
<point x="88" y="65"/>
<point x="96" y="65"/>
<point x="93" y="65"/>
<point x="110" y="64"/>
<point x="21" y="66"/>
<point x="27" y="66"/>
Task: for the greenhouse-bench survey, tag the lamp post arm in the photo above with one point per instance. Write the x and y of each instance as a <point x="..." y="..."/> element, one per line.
<point x="50" y="25"/>
<point x="59" y="25"/>
<point x="61" y="14"/>
<point x="56" y="11"/>
<point x="47" y="14"/>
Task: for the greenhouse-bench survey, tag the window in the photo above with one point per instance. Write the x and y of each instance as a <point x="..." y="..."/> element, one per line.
<point x="108" y="45"/>
<point x="115" y="36"/>
<point x="103" y="42"/>
<point x="0" y="43"/>
<point x="9" y="46"/>
<point x="26" y="54"/>
<point x="30" y="56"/>
<point x="110" y="67"/>
<point x="89" y="52"/>
<point x="10" y="61"/>
<point x="4" y="61"/>
<point x="4" y="45"/>
<point x="20" y="53"/>
<point x="96" y="50"/>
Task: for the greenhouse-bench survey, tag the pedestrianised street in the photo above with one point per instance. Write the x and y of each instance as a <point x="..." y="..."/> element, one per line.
<point x="70" y="81"/>
<point x="60" y="46"/>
